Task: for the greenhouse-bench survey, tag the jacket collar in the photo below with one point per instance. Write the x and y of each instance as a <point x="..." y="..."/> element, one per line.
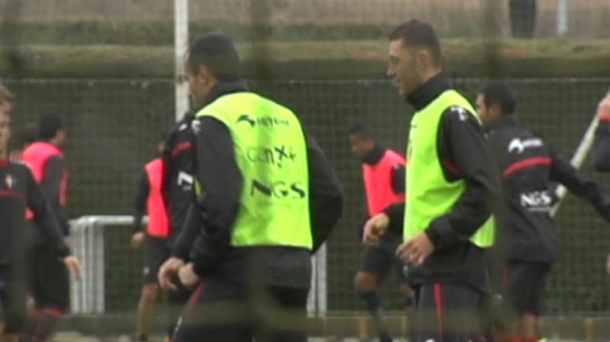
<point x="505" y="121"/>
<point x="225" y="87"/>
<point x="375" y="155"/>
<point x="423" y="95"/>
<point x="50" y="144"/>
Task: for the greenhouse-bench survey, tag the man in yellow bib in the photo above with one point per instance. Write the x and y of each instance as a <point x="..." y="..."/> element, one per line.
<point x="451" y="185"/>
<point x="267" y="199"/>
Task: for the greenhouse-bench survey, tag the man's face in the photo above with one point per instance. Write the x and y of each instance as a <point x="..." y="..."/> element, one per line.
<point x="199" y="84"/>
<point x="361" y="146"/>
<point x="5" y="126"/>
<point x="487" y="114"/>
<point x="61" y="137"/>
<point x="402" y="67"/>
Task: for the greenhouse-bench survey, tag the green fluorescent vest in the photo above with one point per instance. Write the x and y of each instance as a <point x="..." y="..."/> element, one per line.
<point x="271" y="152"/>
<point x="198" y="188"/>
<point x="429" y="194"/>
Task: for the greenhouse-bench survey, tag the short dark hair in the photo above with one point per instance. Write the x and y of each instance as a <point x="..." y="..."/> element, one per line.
<point x="50" y="124"/>
<point x="362" y="130"/>
<point x="419" y="34"/>
<point x="217" y="53"/>
<point x="502" y="95"/>
<point x="25" y="135"/>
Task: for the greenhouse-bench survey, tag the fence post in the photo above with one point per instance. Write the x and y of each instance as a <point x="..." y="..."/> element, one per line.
<point x="562" y="17"/>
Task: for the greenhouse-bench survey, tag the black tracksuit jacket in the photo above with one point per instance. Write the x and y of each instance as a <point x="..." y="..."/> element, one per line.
<point x="178" y="173"/>
<point x="529" y="167"/>
<point x="211" y="216"/>
<point x="464" y="155"/>
<point x="19" y="190"/>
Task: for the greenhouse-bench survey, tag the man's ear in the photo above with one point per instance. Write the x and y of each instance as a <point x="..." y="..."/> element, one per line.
<point x="202" y="72"/>
<point x="424" y="58"/>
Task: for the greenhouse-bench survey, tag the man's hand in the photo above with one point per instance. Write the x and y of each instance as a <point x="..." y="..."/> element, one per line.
<point x="374" y="228"/>
<point x="137" y="239"/>
<point x="415" y="250"/>
<point x="169" y="270"/>
<point x="608" y="264"/>
<point x="188" y="278"/>
<point x="74" y="265"/>
<point x="603" y="108"/>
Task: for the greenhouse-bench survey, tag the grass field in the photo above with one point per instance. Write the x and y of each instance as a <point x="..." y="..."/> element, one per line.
<point x="338" y="327"/>
<point x="588" y="18"/>
<point x="75" y="337"/>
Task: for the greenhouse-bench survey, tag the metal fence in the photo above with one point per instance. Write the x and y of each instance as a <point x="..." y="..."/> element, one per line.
<point x="113" y="126"/>
<point x="112" y="273"/>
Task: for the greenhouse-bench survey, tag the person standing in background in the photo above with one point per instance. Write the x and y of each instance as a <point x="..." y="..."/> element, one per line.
<point x="177" y="186"/>
<point x="529" y="166"/>
<point x="50" y="285"/>
<point x="149" y="200"/>
<point x="383" y="173"/>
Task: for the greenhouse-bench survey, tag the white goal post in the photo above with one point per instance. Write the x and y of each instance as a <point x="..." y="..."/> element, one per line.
<point x="579" y="156"/>
<point x="181" y="37"/>
<point x="88" y="294"/>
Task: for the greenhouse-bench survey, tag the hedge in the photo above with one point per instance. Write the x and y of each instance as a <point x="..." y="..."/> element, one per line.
<point x="160" y="32"/>
<point x="313" y="60"/>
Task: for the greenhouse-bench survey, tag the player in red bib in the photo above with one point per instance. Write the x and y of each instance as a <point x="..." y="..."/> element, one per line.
<point x="149" y="199"/>
<point x="384" y="176"/>
<point x="49" y="277"/>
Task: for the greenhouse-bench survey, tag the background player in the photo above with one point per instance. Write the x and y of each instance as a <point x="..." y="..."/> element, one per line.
<point x="383" y="172"/>
<point x="16" y="184"/>
<point x="22" y="139"/>
<point x="529" y="165"/>
<point x="177" y="194"/>
<point x="50" y="286"/>
<point x="148" y="199"/>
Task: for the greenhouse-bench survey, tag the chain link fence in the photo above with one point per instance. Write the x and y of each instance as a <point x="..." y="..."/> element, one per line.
<point x="63" y="56"/>
<point x="113" y="126"/>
